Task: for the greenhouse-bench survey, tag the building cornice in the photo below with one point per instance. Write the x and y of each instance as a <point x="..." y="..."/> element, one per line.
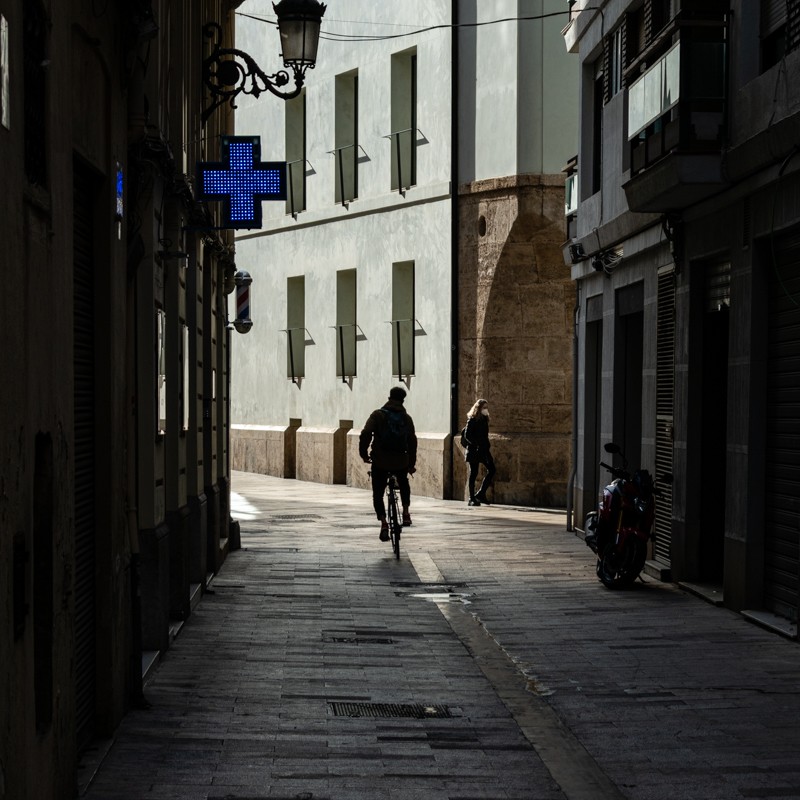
<point x="383" y="204"/>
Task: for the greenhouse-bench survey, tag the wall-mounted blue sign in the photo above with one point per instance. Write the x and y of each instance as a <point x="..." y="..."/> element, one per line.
<point x="242" y="181"/>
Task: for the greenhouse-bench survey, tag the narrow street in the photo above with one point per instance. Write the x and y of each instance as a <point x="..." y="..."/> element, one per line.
<point x="295" y="675"/>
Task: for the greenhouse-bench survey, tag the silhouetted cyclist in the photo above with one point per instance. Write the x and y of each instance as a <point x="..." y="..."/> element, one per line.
<point x="390" y="431"/>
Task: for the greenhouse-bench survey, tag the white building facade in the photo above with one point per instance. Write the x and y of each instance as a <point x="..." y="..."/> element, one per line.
<point x="357" y="282"/>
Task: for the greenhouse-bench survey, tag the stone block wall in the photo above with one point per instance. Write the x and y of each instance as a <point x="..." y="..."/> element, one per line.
<point x="321" y="454"/>
<point x="515" y="320"/>
<point x="264" y="449"/>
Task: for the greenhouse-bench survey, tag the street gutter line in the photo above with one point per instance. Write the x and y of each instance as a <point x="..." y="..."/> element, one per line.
<point x="571" y="766"/>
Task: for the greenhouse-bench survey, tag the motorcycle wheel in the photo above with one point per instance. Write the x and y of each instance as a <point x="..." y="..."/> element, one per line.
<point x="617" y="569"/>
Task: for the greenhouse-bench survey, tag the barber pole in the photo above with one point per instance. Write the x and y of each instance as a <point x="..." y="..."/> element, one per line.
<point x="243" y="323"/>
<point x="243" y="302"/>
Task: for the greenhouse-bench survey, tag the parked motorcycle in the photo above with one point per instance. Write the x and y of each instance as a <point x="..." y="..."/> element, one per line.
<point x="621" y="527"/>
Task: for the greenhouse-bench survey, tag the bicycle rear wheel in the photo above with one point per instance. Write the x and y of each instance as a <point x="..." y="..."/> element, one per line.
<point x="394" y="523"/>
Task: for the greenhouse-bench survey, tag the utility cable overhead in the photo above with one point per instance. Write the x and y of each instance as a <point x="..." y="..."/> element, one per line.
<point x="351" y="38"/>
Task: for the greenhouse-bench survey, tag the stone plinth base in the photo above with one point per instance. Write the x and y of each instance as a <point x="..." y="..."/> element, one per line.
<point x="321" y="454"/>
<point x="531" y="470"/>
<point x="265" y="449"/>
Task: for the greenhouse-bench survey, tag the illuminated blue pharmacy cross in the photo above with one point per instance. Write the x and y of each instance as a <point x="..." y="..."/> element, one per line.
<point x="242" y="181"/>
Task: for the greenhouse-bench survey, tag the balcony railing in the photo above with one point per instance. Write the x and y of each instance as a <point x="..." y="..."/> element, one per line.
<point x="347" y="158"/>
<point x="296" y="341"/>
<point x="296" y="173"/>
<point x="347" y="335"/>
<point x="404" y="158"/>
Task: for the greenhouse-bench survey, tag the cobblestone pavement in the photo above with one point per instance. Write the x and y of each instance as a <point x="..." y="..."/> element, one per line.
<point x="289" y="679"/>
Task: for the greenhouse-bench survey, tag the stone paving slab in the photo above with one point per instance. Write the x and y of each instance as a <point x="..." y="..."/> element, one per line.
<point x="664" y="696"/>
<point x="308" y="614"/>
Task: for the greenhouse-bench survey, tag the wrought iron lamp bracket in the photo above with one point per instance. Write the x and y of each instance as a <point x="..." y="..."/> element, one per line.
<point x="227" y="72"/>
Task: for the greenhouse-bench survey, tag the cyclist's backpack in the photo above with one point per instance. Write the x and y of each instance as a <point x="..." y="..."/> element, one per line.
<point x="394" y="436"/>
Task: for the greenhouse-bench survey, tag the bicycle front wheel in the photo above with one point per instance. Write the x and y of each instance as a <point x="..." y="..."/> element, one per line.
<point x="394" y="525"/>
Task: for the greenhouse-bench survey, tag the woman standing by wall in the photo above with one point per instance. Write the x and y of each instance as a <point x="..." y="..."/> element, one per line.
<point x="478" y="451"/>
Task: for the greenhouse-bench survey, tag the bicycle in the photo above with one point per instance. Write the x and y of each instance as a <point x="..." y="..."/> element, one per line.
<point x="393" y="518"/>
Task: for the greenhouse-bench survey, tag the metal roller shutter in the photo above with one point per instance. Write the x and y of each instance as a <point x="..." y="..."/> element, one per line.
<point x="84" y="366"/>
<point x="783" y="432"/>
<point x="665" y="394"/>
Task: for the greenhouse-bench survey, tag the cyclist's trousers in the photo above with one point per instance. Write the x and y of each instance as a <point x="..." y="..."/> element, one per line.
<point x="380" y="477"/>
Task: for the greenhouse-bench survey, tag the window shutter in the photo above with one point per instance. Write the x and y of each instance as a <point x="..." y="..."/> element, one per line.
<point x="773" y="16"/>
<point x="635" y="34"/>
<point x="793" y="26"/>
<point x="606" y="70"/>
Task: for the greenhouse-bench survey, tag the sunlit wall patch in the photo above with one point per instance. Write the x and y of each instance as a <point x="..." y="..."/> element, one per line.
<point x="5" y="115"/>
<point x="242" y="181"/>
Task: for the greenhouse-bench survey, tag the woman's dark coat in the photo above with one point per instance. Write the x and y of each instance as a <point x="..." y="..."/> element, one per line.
<point x="477" y="435"/>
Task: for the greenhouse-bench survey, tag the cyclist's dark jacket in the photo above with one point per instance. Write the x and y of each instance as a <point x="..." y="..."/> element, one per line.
<point x="381" y="459"/>
<point x="477" y="434"/>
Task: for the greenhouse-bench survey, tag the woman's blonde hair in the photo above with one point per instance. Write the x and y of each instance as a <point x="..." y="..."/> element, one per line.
<point x="476" y="409"/>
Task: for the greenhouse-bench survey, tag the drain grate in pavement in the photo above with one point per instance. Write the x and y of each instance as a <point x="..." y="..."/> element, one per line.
<point x="390" y="710"/>
<point x="295" y="517"/>
<point x="358" y="640"/>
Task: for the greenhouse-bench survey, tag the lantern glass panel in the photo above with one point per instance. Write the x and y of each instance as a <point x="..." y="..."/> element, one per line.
<point x="299" y="41"/>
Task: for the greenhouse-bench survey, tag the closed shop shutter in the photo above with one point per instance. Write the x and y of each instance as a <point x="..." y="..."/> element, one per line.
<point x="782" y="530"/>
<point x="665" y="394"/>
<point x="84" y="366"/>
